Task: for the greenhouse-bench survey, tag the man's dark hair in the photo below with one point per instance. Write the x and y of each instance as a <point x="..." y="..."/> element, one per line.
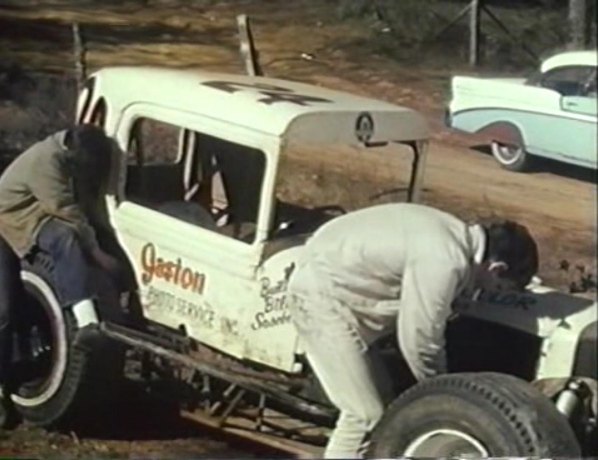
<point x="512" y="243"/>
<point x="90" y="156"/>
<point x="90" y="147"/>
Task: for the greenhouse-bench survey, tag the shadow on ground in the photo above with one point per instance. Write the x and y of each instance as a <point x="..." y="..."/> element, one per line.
<point x="544" y="165"/>
<point x="140" y="426"/>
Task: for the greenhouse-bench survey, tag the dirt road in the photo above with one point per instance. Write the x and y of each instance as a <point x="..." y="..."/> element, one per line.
<point x="560" y="211"/>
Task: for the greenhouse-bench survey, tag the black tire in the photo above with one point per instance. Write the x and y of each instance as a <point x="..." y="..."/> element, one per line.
<point x="511" y="157"/>
<point x="504" y="415"/>
<point x="70" y="381"/>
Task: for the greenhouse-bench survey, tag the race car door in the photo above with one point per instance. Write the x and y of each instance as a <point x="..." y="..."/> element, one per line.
<point x="195" y="269"/>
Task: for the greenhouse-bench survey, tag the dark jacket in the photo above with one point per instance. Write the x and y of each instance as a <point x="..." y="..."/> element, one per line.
<point x="38" y="185"/>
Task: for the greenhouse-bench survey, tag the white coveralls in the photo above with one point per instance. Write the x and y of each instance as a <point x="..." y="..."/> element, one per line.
<point x="392" y="265"/>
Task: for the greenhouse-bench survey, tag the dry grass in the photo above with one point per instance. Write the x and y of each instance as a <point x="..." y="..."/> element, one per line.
<point x="175" y="34"/>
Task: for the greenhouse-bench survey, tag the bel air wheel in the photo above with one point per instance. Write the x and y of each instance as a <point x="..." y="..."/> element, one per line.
<point x="511" y="157"/>
<point x="472" y="416"/>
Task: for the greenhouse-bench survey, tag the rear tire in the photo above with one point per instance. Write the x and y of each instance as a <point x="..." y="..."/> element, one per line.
<point x="480" y="415"/>
<point x="60" y="381"/>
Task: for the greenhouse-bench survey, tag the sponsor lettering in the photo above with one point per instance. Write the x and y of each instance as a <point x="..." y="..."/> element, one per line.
<point x="167" y="302"/>
<point x="272" y="93"/>
<point x="229" y="326"/>
<point x="173" y="272"/>
<point x="275" y="311"/>
<point x="512" y="300"/>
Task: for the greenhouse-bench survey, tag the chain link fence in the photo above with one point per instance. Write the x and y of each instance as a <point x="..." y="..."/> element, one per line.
<point x="417" y="30"/>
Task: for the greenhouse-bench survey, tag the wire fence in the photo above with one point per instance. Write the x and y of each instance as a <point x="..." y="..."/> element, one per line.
<point x="478" y="30"/>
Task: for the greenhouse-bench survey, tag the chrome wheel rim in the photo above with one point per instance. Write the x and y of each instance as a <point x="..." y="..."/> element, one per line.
<point x="507" y="154"/>
<point x="446" y="443"/>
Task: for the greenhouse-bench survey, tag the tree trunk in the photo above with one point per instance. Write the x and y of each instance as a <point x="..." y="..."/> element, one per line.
<point x="591" y="11"/>
<point x="474" y="33"/>
<point x="577" y="24"/>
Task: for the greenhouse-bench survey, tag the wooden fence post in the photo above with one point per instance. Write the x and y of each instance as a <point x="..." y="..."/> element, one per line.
<point x="79" y="51"/>
<point x="577" y="24"/>
<point x="248" y="51"/>
<point x="474" y="33"/>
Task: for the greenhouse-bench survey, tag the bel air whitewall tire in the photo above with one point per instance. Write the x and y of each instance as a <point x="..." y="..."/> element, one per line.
<point x="511" y="157"/>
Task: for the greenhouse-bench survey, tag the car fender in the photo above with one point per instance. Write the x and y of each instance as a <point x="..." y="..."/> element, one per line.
<point x="556" y="317"/>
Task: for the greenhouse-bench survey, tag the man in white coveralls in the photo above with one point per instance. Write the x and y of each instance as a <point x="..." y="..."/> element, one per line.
<point x="392" y="265"/>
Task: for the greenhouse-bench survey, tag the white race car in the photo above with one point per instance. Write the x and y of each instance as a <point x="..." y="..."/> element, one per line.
<point x="202" y="204"/>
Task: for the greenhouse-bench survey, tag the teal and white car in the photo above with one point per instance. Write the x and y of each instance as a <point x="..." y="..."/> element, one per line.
<point x="551" y="114"/>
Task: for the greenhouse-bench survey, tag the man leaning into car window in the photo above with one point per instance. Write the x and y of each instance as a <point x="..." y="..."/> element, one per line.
<point x="48" y="195"/>
<point x="391" y="266"/>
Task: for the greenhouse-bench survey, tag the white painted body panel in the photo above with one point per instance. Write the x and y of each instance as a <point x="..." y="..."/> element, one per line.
<point x="238" y="307"/>
<point x="475" y="93"/>
<point x="256" y="103"/>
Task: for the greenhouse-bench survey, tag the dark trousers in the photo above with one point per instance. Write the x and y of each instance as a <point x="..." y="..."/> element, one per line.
<point x="11" y="291"/>
<point x="71" y="279"/>
<point x="73" y="273"/>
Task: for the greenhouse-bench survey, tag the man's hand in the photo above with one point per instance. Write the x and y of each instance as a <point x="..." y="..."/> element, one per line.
<point x="110" y="265"/>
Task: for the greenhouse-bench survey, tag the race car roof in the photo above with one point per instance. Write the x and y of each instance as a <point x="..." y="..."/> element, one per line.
<point x="272" y="106"/>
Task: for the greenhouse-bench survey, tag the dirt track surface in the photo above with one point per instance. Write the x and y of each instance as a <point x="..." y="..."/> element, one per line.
<point x="558" y="203"/>
<point x="141" y="427"/>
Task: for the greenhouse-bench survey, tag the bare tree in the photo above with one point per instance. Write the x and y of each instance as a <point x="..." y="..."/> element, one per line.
<point x="577" y="23"/>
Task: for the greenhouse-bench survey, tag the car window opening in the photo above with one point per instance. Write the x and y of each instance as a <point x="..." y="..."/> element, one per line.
<point x="317" y="183"/>
<point x="197" y="178"/>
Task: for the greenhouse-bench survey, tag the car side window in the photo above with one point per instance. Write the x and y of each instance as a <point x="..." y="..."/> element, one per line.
<point x="199" y="179"/>
<point x="99" y="113"/>
<point x="568" y="81"/>
<point x="230" y="178"/>
<point x="87" y="93"/>
<point x="153" y="142"/>
<point x="153" y="166"/>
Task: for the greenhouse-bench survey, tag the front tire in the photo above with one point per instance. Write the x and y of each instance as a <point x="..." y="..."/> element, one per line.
<point x="511" y="157"/>
<point x="473" y="415"/>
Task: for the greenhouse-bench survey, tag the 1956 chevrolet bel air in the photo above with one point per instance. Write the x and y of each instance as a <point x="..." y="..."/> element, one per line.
<point x="551" y="114"/>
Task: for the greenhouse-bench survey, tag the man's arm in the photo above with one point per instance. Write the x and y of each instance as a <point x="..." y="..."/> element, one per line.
<point x="427" y="291"/>
<point x="53" y="187"/>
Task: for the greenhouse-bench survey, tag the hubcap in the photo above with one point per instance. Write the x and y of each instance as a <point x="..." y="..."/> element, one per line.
<point x="446" y="443"/>
<point x="35" y="351"/>
<point x="44" y="350"/>
<point x="508" y="153"/>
